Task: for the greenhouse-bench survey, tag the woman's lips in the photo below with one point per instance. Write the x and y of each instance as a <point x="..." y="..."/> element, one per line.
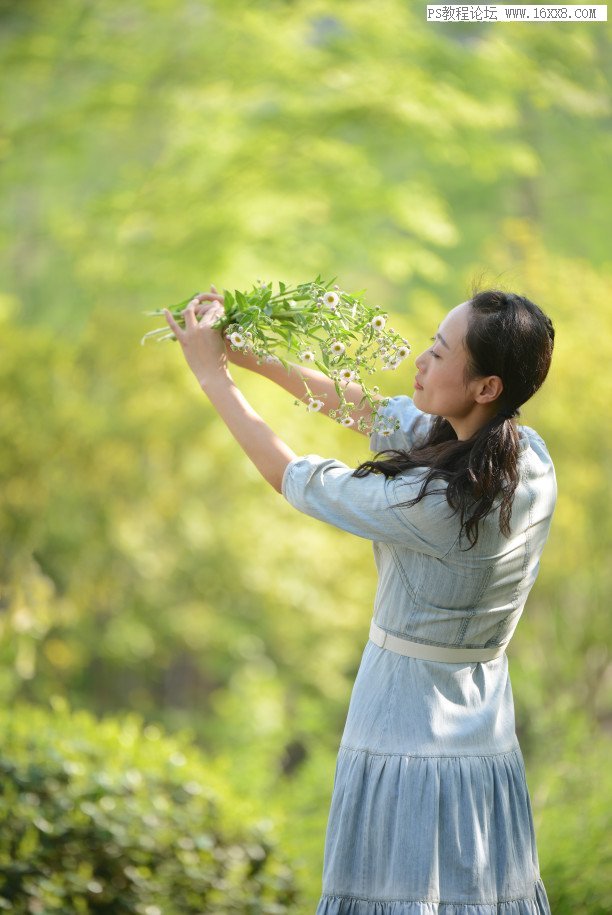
<point x="418" y="386"/>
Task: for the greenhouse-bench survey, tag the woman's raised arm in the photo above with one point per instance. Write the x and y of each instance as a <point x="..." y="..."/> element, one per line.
<point x="204" y="351"/>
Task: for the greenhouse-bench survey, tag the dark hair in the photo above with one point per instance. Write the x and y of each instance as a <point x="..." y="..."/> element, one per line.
<point x="509" y="336"/>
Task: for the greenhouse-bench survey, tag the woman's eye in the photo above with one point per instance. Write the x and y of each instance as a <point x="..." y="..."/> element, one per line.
<point x="435" y="355"/>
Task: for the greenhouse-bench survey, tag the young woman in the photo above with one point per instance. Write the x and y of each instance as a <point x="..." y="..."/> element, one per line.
<point x="430" y="813"/>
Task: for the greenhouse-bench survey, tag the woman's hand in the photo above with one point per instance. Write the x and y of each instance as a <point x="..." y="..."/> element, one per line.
<point x="238" y="357"/>
<point x="203" y="345"/>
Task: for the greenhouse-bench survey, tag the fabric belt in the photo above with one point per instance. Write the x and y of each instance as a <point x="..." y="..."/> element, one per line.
<point x="425" y="652"/>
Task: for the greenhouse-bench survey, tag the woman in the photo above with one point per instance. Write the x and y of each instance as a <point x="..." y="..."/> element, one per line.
<point x="430" y="810"/>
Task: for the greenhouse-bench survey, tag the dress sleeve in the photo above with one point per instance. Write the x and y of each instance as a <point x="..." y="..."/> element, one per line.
<point x="325" y="488"/>
<point x="414" y="425"/>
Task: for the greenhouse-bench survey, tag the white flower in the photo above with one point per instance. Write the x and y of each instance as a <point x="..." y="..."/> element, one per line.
<point x="331" y="299"/>
<point x="402" y="352"/>
<point x="378" y="322"/>
<point x="346" y="375"/>
<point x="384" y="426"/>
<point x="307" y="356"/>
<point x="237" y="339"/>
<point x="273" y="359"/>
<point x="314" y="405"/>
<point x="337" y="348"/>
<point x="347" y="421"/>
<point x="390" y="364"/>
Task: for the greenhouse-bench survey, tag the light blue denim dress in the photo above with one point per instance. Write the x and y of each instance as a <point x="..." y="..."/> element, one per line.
<point x="430" y="811"/>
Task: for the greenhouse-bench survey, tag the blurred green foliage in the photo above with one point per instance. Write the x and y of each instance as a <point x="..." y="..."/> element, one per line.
<point x="151" y="148"/>
<point x="572" y="822"/>
<point x="111" y="817"/>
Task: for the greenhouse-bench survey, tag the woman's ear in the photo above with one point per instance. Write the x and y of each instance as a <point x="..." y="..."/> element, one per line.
<point x="489" y="388"/>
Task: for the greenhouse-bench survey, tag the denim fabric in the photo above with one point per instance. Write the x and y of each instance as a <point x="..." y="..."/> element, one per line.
<point x="430" y="811"/>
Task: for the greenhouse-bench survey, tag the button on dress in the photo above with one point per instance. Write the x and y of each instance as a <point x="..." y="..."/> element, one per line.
<point x="430" y="811"/>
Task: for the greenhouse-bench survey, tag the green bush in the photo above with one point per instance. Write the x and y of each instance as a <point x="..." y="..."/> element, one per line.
<point x="111" y="816"/>
<point x="572" y="802"/>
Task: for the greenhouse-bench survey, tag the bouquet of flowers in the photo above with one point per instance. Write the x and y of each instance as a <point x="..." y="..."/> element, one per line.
<point x="323" y="326"/>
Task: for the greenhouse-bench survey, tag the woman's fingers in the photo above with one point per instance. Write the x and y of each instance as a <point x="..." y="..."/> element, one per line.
<point x="203" y="309"/>
<point x="204" y="303"/>
<point x="201" y="303"/>
<point x="189" y="313"/>
<point x="213" y="295"/>
<point x="210" y="302"/>
<point x="174" y="326"/>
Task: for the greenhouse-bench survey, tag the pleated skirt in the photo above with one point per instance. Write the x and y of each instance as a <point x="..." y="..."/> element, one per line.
<point x="430" y="810"/>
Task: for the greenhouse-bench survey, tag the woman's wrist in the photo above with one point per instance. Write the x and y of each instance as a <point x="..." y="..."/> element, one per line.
<point x="216" y="378"/>
<point x="243" y="360"/>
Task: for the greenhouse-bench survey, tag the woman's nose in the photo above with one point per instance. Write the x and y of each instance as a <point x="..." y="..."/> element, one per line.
<point x="419" y="362"/>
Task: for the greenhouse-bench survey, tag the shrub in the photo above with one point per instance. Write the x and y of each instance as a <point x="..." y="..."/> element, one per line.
<point x="573" y="798"/>
<point x="111" y="816"/>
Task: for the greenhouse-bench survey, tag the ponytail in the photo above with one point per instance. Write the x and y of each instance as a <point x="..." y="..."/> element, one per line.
<point x="476" y="471"/>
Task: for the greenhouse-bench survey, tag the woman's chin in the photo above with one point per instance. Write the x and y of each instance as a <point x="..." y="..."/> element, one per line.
<point x="420" y="402"/>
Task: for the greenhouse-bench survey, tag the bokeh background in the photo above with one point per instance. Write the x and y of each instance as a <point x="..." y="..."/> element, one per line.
<point x="164" y="611"/>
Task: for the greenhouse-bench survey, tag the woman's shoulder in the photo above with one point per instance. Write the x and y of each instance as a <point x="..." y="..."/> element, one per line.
<point x="399" y="424"/>
<point x="537" y="471"/>
<point x="533" y="448"/>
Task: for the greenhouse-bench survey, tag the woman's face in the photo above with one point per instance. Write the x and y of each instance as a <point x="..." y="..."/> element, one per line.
<point x="440" y="386"/>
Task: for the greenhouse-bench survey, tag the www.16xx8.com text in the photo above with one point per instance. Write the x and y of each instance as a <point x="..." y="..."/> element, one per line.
<point x="526" y="13"/>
